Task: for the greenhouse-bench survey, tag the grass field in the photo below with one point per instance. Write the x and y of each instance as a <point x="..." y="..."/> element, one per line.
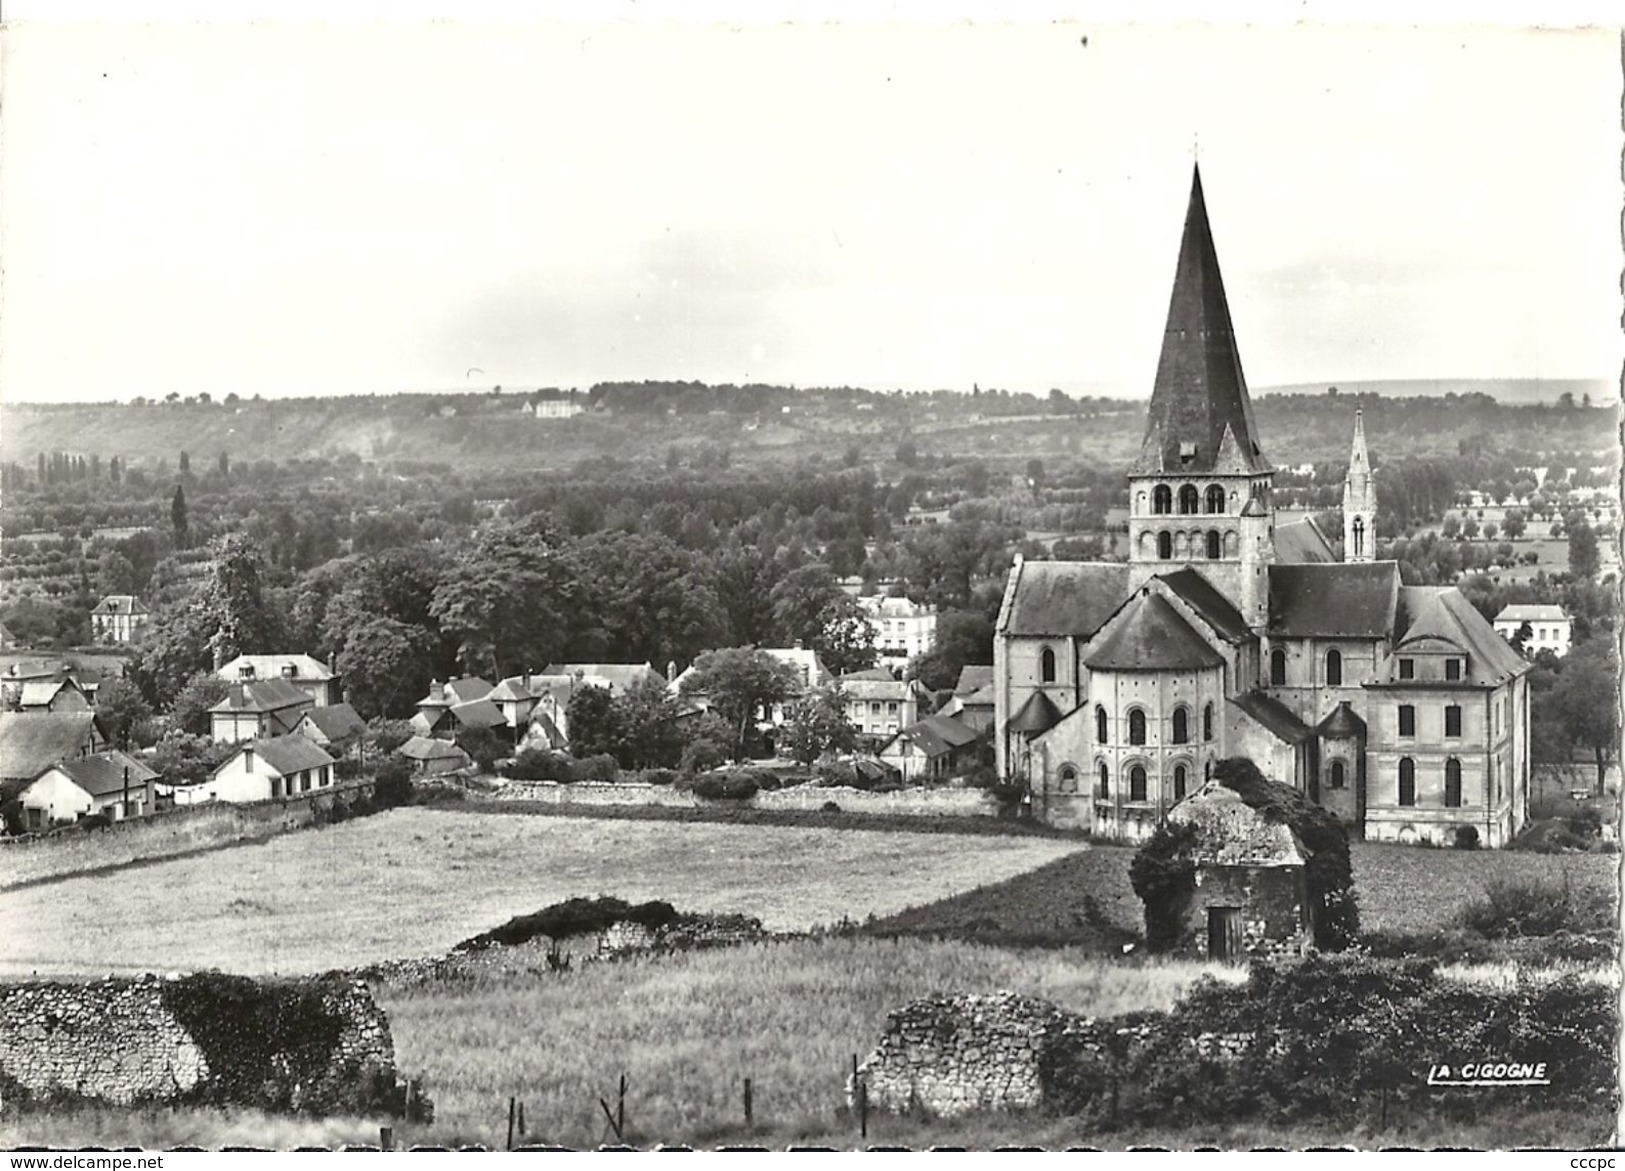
<point x="416" y="881"/>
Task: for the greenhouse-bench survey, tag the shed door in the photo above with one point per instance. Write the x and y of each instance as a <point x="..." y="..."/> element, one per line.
<point x="1224" y="933"/>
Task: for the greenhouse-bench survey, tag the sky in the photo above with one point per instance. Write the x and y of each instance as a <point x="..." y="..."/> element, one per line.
<point x="291" y="208"/>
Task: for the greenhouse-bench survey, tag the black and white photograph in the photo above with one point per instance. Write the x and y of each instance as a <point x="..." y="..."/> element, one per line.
<point x="807" y="579"/>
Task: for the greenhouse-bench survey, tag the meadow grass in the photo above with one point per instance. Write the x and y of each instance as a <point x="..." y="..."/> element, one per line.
<point x="415" y="881"/>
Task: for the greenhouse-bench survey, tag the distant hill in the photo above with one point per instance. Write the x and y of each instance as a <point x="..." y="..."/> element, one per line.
<point x="1512" y="391"/>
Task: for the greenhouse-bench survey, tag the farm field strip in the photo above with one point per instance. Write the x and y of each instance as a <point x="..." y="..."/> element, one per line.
<point x="416" y="881"/>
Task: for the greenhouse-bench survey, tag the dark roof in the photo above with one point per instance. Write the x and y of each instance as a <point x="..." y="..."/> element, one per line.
<point x="1330" y="601"/>
<point x="337" y="721"/>
<point x="478" y="713"/>
<point x="119" y="604"/>
<point x="1444" y="612"/>
<point x="871" y="674"/>
<point x="468" y="689"/>
<point x="264" y="695"/>
<point x="1200" y="394"/>
<point x="103" y="773"/>
<point x="1342" y="722"/>
<point x="423" y="748"/>
<point x="1150" y="635"/>
<point x="1275" y="716"/>
<point x="1064" y="597"/>
<point x="1300" y="542"/>
<point x="938" y="734"/>
<point x="1038" y="714"/>
<point x="973" y="678"/>
<point x="31" y="742"/>
<point x="289" y="754"/>
<point x="1203" y="597"/>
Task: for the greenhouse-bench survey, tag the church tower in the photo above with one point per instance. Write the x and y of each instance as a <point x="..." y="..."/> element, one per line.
<point x="1359" y="501"/>
<point x="1199" y="492"/>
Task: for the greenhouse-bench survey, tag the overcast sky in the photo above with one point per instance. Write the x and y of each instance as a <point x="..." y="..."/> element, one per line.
<point x="299" y="209"/>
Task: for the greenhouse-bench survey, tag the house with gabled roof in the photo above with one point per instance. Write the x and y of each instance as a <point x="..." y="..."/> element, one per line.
<point x="53" y="695"/>
<point x="877" y="705"/>
<point x="111" y="782"/>
<point x="337" y="729"/>
<point x="1117" y="686"/>
<point x="251" y="711"/>
<point x="32" y="742"/>
<point x="260" y="770"/>
<point x="933" y="749"/>
<point x="457" y="705"/>
<point x="310" y="675"/>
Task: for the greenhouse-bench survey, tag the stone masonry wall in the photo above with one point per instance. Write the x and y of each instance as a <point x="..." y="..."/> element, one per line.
<point x="918" y="802"/>
<point x="125" y="1041"/>
<point x="949" y="1055"/>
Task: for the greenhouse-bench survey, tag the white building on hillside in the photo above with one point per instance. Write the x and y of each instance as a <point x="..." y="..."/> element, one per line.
<point x="1550" y="629"/>
<point x="903" y="629"/>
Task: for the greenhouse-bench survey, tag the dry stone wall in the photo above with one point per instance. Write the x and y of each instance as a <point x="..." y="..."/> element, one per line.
<point x="316" y="1046"/>
<point x="915" y="802"/>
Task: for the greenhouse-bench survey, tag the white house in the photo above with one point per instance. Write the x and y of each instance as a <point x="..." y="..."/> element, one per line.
<point x="285" y="766"/>
<point x="118" y="618"/>
<point x="315" y="678"/>
<point x="877" y="705"/>
<point x="903" y="629"/>
<point x="69" y="790"/>
<point x="1550" y="629"/>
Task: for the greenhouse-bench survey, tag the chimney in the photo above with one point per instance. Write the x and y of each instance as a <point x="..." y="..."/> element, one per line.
<point x="671" y="670"/>
<point x="248" y="759"/>
<point x="242" y="694"/>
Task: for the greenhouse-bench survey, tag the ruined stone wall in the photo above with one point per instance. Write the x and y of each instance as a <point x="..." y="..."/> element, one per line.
<point x="312" y="1045"/>
<point x="1273" y="900"/>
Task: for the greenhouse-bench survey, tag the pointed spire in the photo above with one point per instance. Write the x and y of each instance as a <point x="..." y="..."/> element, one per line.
<point x="1359" y="461"/>
<point x="1200" y="389"/>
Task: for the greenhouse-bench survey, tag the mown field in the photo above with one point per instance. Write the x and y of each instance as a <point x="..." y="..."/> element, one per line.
<point x="416" y="881"/>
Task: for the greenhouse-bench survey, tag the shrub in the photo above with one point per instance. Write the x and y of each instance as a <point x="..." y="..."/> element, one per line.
<point x="1466" y="837"/>
<point x="392" y="783"/>
<point x="601" y="767"/>
<point x="1163" y="874"/>
<point x="658" y="776"/>
<point x="738" y="785"/>
<point x="539" y="764"/>
<point x="703" y="754"/>
<point x="573" y="917"/>
<point x="829" y="807"/>
<point x="1524" y="907"/>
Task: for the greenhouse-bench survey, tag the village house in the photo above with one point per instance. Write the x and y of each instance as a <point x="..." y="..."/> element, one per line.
<point x="336" y="729"/>
<point x="456" y="705"/>
<point x="558" y="404"/>
<point x="111" y="782"/>
<point x="261" y="770"/>
<point x="430" y="756"/>
<point x="877" y="705"/>
<point x="118" y="618"/>
<point x="310" y="675"/>
<point x="31" y="742"/>
<point x="933" y="749"/>
<point x="1549" y="628"/>
<point x="55" y="695"/>
<point x="1228" y="633"/>
<point x="615" y="678"/>
<point x="253" y="711"/>
<point x="903" y="629"/>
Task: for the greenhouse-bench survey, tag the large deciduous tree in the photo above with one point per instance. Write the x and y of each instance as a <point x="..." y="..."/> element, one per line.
<point x="739" y="683"/>
<point x="816" y="724"/>
<point x="507" y="599"/>
<point x="651" y="600"/>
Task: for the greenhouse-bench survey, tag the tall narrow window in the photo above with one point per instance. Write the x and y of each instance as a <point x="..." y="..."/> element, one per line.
<point x="1207" y="722"/>
<point x="1136" y="783"/>
<point x="1165" y="546"/>
<point x="1179" y="782"/>
<point x="1103" y="787"/>
<point x="1452" y="783"/>
<point x="1452" y="720"/>
<point x="1407" y="781"/>
<point x="1188" y="500"/>
<point x="1215" y="498"/>
<point x="1359" y="536"/>
<point x="1277" y="668"/>
<point x="1452" y="670"/>
<point x="1182" y="729"/>
<point x="1339" y="776"/>
<point x="1136" y="727"/>
<point x="1046" y="665"/>
<point x="1407" y="720"/>
<point x="1407" y="668"/>
<point x="1100" y="724"/>
<point x="1162" y="499"/>
<point x="1334" y="668"/>
<point x="1213" y="545"/>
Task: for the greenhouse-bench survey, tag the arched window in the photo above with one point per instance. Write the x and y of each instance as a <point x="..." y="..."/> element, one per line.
<point x="1136" y="783"/>
<point x="1136" y="727"/>
<point x="1334" y="668"/>
<point x="1339" y="776"/>
<point x="1452" y="783"/>
<point x="1358" y="528"/>
<point x="1215" y="498"/>
<point x="1407" y="781"/>
<point x="1189" y="500"/>
<point x="1182" y="729"/>
<point x="1046" y="665"/>
<point x="1162" y="499"/>
<point x="1100" y="724"/>
<point x="1165" y="546"/>
<point x="1179" y="782"/>
<point x="1215" y="546"/>
<point x="1068" y="778"/>
<point x="1103" y="786"/>
<point x="1277" y="668"/>
<point x="1207" y="722"/>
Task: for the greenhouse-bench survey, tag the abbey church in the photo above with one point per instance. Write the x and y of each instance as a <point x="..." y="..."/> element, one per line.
<point x="1118" y="685"/>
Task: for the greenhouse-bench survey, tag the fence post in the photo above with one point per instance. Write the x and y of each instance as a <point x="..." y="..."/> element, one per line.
<point x="521" y="1120"/>
<point x="620" y="1112"/>
<point x="512" y="1104"/>
<point x="386" y="1138"/>
<point x="748" y="1119"/>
